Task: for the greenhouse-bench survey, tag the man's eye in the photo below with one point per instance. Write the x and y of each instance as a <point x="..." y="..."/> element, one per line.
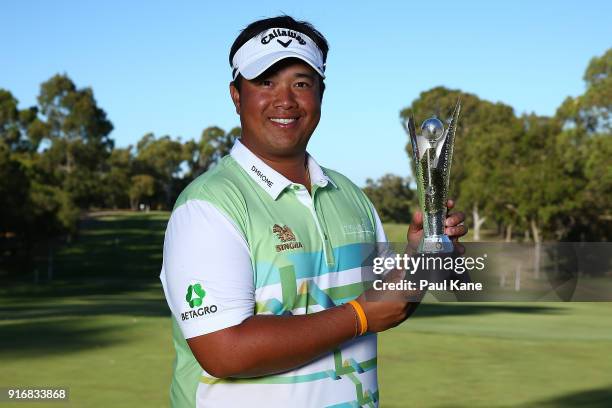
<point x="265" y="82"/>
<point x="302" y="85"/>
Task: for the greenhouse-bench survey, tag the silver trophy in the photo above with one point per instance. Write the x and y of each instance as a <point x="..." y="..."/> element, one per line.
<point x="432" y="152"/>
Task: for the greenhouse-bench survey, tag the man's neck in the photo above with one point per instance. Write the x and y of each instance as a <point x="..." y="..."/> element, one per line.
<point x="293" y="168"/>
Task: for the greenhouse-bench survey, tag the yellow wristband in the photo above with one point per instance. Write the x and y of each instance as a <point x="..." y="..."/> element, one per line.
<point x="363" y="321"/>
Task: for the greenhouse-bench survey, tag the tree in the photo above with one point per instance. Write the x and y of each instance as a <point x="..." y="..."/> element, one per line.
<point x="9" y="120"/>
<point x="32" y="211"/>
<point x="161" y="159"/>
<point x="596" y="198"/>
<point x="79" y="134"/>
<point x="213" y="145"/>
<point x="392" y="197"/>
<point x="117" y="179"/>
<point x="597" y="100"/>
<point x="14" y="191"/>
<point x="587" y="129"/>
<point x="142" y="189"/>
<point x="50" y="212"/>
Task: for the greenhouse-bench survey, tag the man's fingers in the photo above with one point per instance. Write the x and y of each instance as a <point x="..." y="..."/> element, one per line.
<point x="395" y="275"/>
<point x="415" y="230"/>
<point x="417" y="221"/>
<point x="450" y="204"/>
<point x="457" y="231"/>
<point x="454" y="219"/>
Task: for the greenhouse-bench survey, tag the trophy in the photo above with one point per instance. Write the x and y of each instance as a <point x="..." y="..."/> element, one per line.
<point x="432" y="152"/>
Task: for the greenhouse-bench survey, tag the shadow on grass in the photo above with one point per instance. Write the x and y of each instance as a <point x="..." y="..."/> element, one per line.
<point x="43" y="339"/>
<point x="93" y="308"/>
<point x="73" y="319"/>
<point x="18" y="292"/>
<point x="596" y="398"/>
<point x="107" y="276"/>
<point x="459" y="309"/>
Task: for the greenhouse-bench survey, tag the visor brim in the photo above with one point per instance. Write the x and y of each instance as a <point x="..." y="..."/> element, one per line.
<point x="259" y="66"/>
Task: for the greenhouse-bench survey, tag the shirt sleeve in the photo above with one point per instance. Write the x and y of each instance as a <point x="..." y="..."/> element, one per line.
<point x="207" y="273"/>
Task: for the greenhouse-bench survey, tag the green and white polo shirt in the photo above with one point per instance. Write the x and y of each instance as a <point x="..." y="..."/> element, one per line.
<point x="242" y="240"/>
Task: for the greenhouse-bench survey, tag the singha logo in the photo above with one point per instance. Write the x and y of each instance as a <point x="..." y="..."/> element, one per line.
<point x="286" y="236"/>
<point x="283" y="233"/>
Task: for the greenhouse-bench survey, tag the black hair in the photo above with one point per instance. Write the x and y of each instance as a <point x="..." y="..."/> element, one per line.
<point x="259" y="26"/>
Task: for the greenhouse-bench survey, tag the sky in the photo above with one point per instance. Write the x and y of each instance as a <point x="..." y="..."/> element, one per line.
<point x="162" y="67"/>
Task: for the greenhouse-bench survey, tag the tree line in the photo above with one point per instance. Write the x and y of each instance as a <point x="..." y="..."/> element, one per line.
<point x="57" y="160"/>
<point x="529" y="176"/>
<point x="535" y="177"/>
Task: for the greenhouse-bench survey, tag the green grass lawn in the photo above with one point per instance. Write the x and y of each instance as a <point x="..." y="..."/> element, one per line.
<point x="108" y="339"/>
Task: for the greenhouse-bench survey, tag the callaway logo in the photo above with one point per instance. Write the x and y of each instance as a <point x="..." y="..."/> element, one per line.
<point x="195" y="297"/>
<point x="282" y="33"/>
<point x="284" y="44"/>
<point x="285" y="235"/>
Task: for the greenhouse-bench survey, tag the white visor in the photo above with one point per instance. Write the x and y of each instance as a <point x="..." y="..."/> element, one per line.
<point x="266" y="49"/>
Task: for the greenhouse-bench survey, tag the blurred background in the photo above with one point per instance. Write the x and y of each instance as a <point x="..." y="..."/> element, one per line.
<point x="107" y="111"/>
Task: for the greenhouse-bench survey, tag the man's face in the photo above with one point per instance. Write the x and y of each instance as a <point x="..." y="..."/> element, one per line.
<point x="280" y="109"/>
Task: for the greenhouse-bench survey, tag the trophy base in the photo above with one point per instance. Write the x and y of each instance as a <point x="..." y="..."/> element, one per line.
<point x="435" y="244"/>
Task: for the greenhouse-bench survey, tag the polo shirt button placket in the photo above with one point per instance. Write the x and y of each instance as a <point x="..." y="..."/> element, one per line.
<point x="307" y="200"/>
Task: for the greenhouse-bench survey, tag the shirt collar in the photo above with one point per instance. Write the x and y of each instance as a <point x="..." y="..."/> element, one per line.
<point x="269" y="179"/>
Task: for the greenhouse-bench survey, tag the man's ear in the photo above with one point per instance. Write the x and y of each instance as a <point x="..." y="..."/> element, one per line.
<point x="235" y="94"/>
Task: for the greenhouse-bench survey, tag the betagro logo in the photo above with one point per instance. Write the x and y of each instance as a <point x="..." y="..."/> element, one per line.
<point x="195" y="297"/>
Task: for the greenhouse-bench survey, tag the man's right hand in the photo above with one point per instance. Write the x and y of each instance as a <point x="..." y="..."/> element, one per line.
<point x="454" y="228"/>
<point x="388" y="308"/>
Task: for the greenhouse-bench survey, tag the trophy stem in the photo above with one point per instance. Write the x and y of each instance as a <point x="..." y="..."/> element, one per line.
<point x="434" y="240"/>
<point x="433" y="223"/>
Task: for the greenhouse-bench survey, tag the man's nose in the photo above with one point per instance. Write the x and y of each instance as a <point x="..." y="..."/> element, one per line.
<point x="284" y="98"/>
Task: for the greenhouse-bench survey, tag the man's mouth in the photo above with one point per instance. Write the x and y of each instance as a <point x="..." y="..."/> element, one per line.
<point x="284" y="122"/>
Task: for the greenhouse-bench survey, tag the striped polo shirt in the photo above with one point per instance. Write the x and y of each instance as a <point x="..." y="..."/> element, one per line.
<point x="243" y="240"/>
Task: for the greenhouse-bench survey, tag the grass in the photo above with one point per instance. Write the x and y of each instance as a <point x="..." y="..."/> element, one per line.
<point x="102" y="329"/>
<point x="499" y="355"/>
<point x="107" y="348"/>
<point x="397" y="233"/>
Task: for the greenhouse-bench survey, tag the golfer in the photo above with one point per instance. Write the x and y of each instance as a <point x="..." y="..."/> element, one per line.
<point x="262" y="254"/>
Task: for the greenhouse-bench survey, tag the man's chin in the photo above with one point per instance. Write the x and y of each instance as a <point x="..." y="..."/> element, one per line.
<point x="285" y="144"/>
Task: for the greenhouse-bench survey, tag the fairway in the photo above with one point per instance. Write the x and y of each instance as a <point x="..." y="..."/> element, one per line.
<point x="102" y="328"/>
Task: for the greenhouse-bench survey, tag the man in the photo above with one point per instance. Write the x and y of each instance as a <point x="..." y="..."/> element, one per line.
<point x="262" y="253"/>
